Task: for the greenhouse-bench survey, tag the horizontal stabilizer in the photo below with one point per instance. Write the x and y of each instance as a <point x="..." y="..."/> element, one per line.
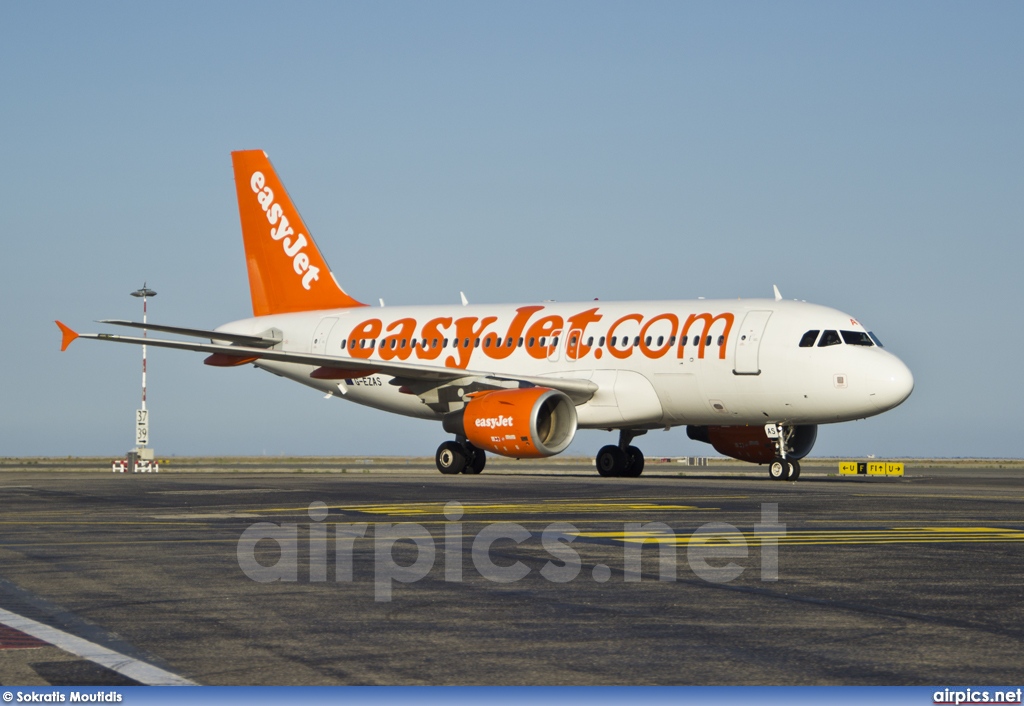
<point x="67" y="335"/>
<point x="236" y="338"/>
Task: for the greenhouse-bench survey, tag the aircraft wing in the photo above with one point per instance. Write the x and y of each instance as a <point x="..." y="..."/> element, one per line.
<point x="329" y="366"/>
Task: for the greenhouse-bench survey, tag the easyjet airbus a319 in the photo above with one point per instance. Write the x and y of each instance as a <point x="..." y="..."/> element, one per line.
<point x="754" y="378"/>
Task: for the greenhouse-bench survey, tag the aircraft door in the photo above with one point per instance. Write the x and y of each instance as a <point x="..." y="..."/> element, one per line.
<point x="573" y="344"/>
<point x="321" y="334"/>
<point x="748" y="342"/>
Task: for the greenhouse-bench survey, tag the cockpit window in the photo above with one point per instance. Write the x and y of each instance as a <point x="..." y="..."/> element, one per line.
<point x="809" y="338"/>
<point x="875" y="339"/>
<point x="856" y="338"/>
<point x="829" y="338"/>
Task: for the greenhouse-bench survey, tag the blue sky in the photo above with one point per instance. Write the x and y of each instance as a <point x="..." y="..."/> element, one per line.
<point x="866" y="156"/>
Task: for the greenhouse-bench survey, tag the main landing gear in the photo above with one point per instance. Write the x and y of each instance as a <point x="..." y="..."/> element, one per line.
<point x="455" y="457"/>
<point x="781" y="467"/>
<point x="622" y="461"/>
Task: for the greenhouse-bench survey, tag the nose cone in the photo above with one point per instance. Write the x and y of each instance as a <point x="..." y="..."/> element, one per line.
<point x="891" y="383"/>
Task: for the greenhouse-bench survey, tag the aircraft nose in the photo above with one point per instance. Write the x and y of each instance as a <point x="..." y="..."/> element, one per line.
<point x="892" y="384"/>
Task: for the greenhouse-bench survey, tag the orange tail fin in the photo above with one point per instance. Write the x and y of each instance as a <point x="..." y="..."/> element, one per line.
<point x="287" y="273"/>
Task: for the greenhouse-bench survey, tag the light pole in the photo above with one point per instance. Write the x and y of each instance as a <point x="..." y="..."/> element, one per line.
<point x="142" y="415"/>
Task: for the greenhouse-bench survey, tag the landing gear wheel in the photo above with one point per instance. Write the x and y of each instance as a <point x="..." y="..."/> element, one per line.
<point x="777" y="469"/>
<point x="792" y="470"/>
<point x="477" y="460"/>
<point x="611" y="461"/>
<point x="451" y="458"/>
<point x="634" y="462"/>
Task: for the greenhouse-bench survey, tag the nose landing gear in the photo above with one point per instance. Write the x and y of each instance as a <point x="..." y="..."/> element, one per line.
<point x="782" y="467"/>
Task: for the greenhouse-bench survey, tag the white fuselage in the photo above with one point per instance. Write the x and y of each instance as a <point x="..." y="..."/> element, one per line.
<point x="741" y="364"/>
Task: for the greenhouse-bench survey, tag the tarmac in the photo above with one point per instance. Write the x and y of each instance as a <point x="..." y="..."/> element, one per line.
<point x="383" y="571"/>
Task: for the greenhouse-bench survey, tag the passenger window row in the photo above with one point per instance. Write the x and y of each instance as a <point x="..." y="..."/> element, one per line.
<point x="615" y="341"/>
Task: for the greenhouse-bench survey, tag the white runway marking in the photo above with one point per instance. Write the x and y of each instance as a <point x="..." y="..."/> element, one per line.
<point x="128" y="666"/>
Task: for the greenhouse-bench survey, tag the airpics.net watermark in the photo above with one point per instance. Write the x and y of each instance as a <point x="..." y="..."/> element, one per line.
<point x="711" y="550"/>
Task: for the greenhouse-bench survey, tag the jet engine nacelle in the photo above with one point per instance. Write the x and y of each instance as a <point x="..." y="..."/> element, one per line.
<point x="751" y="444"/>
<point x="531" y="422"/>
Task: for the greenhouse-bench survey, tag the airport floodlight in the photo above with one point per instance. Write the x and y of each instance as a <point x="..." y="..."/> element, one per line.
<point x="142" y="415"/>
<point x="144" y="292"/>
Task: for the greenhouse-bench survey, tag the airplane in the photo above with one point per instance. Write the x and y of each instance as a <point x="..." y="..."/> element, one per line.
<point x="753" y="378"/>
